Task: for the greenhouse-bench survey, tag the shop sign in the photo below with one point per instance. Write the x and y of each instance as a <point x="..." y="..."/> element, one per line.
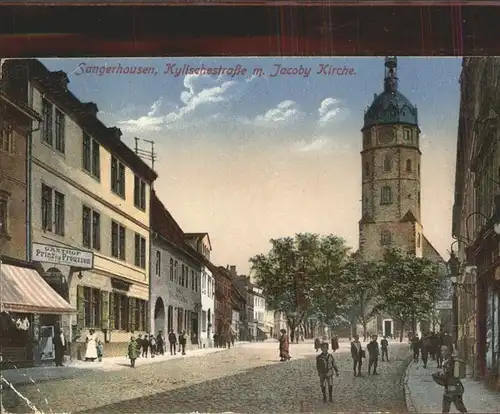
<point x="45" y="253"/>
<point x="444" y="305"/>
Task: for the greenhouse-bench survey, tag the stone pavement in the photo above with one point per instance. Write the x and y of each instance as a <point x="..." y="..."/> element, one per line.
<point x="245" y="379"/>
<point x="423" y="395"/>
<point x="76" y="368"/>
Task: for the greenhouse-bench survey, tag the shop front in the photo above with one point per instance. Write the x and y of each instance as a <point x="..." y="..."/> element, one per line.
<point x="30" y="315"/>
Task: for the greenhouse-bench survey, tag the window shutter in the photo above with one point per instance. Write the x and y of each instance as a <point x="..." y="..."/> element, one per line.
<point x="105" y="310"/>
<point x="80" y="317"/>
<point x="112" y="310"/>
<point x="132" y="306"/>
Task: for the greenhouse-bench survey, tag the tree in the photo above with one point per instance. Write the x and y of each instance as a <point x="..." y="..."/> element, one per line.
<point x="408" y="287"/>
<point x="295" y="275"/>
<point x="363" y="278"/>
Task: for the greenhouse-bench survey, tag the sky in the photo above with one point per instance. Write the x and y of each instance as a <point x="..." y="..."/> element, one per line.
<point x="269" y="147"/>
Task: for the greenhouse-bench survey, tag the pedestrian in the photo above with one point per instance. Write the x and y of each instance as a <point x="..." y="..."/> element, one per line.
<point x="426" y="348"/>
<point x="59" y="348"/>
<point x="326" y="366"/>
<point x="139" y="345"/>
<point x="373" y="353"/>
<point x="357" y="354"/>
<point x="284" y="346"/>
<point x="415" y="346"/>
<point x="384" y="343"/>
<point x="182" y="342"/>
<point x="100" y="350"/>
<point x="228" y="340"/>
<point x="453" y="387"/>
<point x="132" y="351"/>
<point x="152" y="345"/>
<point x="317" y="344"/>
<point x="438" y="344"/>
<point x="91" y="350"/>
<point x="172" y="340"/>
<point x="216" y="340"/>
<point x="335" y="343"/>
<point x="233" y="338"/>
<point x="160" y="343"/>
<point x="145" y="346"/>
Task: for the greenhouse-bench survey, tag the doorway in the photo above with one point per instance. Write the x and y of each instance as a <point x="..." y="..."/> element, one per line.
<point x="388" y="328"/>
<point x="159" y="316"/>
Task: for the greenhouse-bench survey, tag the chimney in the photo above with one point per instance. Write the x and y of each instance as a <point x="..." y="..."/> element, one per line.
<point x="91" y="107"/>
<point x="61" y="77"/>
<point x="232" y="269"/>
<point x="116" y="132"/>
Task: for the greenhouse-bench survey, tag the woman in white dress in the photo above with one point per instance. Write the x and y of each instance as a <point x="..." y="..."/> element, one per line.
<point x="91" y="352"/>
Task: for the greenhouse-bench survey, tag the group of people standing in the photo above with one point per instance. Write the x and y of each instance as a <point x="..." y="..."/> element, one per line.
<point x="430" y="345"/>
<point x="374" y="351"/>
<point x="224" y="340"/>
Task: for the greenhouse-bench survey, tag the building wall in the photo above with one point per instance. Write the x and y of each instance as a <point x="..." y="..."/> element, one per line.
<point x="63" y="172"/>
<point x="223" y="305"/>
<point x="207" y="320"/>
<point x="372" y="247"/>
<point x="13" y="183"/>
<point x="173" y="305"/>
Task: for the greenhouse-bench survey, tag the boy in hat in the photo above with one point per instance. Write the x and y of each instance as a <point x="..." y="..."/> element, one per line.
<point x="326" y="366"/>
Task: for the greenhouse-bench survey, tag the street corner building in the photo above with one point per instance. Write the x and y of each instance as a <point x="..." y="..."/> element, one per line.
<point x="476" y="219"/>
<point x="182" y="288"/>
<point x="87" y="212"/>
<point x="391" y="181"/>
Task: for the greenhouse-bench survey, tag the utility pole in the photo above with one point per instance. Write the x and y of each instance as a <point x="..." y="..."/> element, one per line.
<point x="148" y="155"/>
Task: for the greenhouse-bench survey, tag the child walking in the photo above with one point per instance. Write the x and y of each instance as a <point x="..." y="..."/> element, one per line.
<point x="100" y="350"/>
<point x="132" y="351"/>
<point x="326" y="366"/>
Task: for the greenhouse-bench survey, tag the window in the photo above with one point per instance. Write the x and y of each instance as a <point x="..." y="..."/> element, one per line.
<point x="387" y="163"/>
<point x="139" y="193"/>
<point x="407" y="134"/>
<point x="91" y="228"/>
<point x="47" y="109"/>
<point x="117" y="240"/>
<point x="385" y="238"/>
<point x="408" y="166"/>
<point x="203" y="321"/>
<point x="418" y="240"/>
<point x="180" y="321"/>
<point x="192" y="280"/>
<point x="171" y="269"/>
<point x="91" y="156"/>
<point x="140" y="251"/>
<point x="117" y="177"/>
<point x="158" y="263"/>
<point x="204" y="283"/>
<point x="182" y="282"/>
<point x="367" y="169"/>
<point x="120" y="310"/>
<point x="4" y="213"/>
<point x="6" y="137"/>
<point x="386" y="195"/>
<point x="176" y="275"/>
<point x="58" y="213"/>
<point x="140" y="315"/>
<point x="46" y="208"/>
<point x="92" y="307"/>
<point x="60" y="128"/>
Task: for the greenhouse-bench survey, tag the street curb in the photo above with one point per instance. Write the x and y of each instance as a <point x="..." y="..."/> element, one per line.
<point x="410" y="405"/>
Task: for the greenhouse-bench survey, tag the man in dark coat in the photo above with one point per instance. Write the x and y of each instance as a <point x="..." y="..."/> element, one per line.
<point x="335" y="343"/>
<point x="437" y="344"/>
<point x="172" y="340"/>
<point x="426" y="348"/>
<point x="357" y="353"/>
<point x="59" y="347"/>
<point x="373" y="353"/>
<point x="145" y="346"/>
<point x="415" y="346"/>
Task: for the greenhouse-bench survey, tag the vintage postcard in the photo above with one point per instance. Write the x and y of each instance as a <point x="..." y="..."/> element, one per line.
<point x="249" y="234"/>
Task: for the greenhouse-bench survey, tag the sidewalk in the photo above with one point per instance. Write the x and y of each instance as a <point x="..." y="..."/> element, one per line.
<point x="423" y="395"/>
<point x="76" y="368"/>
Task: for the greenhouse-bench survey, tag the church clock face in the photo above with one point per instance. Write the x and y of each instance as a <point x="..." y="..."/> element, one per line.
<point x="386" y="136"/>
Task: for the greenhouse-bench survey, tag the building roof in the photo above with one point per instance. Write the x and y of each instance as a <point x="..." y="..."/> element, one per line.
<point x="409" y="217"/>
<point x="164" y="224"/>
<point x="20" y="107"/>
<point x="430" y="252"/>
<point x="198" y="236"/>
<point x="391" y="106"/>
<point x="54" y="85"/>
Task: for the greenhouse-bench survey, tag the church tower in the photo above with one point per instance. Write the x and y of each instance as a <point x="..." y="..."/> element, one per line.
<point x="390" y="160"/>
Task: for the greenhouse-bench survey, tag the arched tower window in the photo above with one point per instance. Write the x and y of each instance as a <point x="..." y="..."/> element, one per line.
<point x="386" y="195"/>
<point x="387" y="163"/>
<point x="407" y="134"/>
<point x="385" y="238"/>
<point x="367" y="169"/>
<point x="408" y="166"/>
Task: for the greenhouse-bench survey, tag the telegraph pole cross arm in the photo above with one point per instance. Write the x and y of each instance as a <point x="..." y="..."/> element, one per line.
<point x="148" y="155"/>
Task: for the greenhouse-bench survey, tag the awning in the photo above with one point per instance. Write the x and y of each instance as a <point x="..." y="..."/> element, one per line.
<point x="24" y="290"/>
<point x="265" y="330"/>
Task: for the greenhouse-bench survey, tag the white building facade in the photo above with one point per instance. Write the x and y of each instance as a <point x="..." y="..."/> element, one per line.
<point x="207" y="308"/>
<point x="89" y="214"/>
<point x="175" y="278"/>
<point x="259" y="313"/>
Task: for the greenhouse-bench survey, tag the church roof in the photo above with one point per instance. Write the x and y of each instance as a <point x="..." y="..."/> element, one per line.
<point x="391" y="106"/>
<point x="408" y="217"/>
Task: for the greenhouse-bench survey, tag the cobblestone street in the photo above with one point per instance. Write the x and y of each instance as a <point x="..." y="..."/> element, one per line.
<point x="244" y="379"/>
